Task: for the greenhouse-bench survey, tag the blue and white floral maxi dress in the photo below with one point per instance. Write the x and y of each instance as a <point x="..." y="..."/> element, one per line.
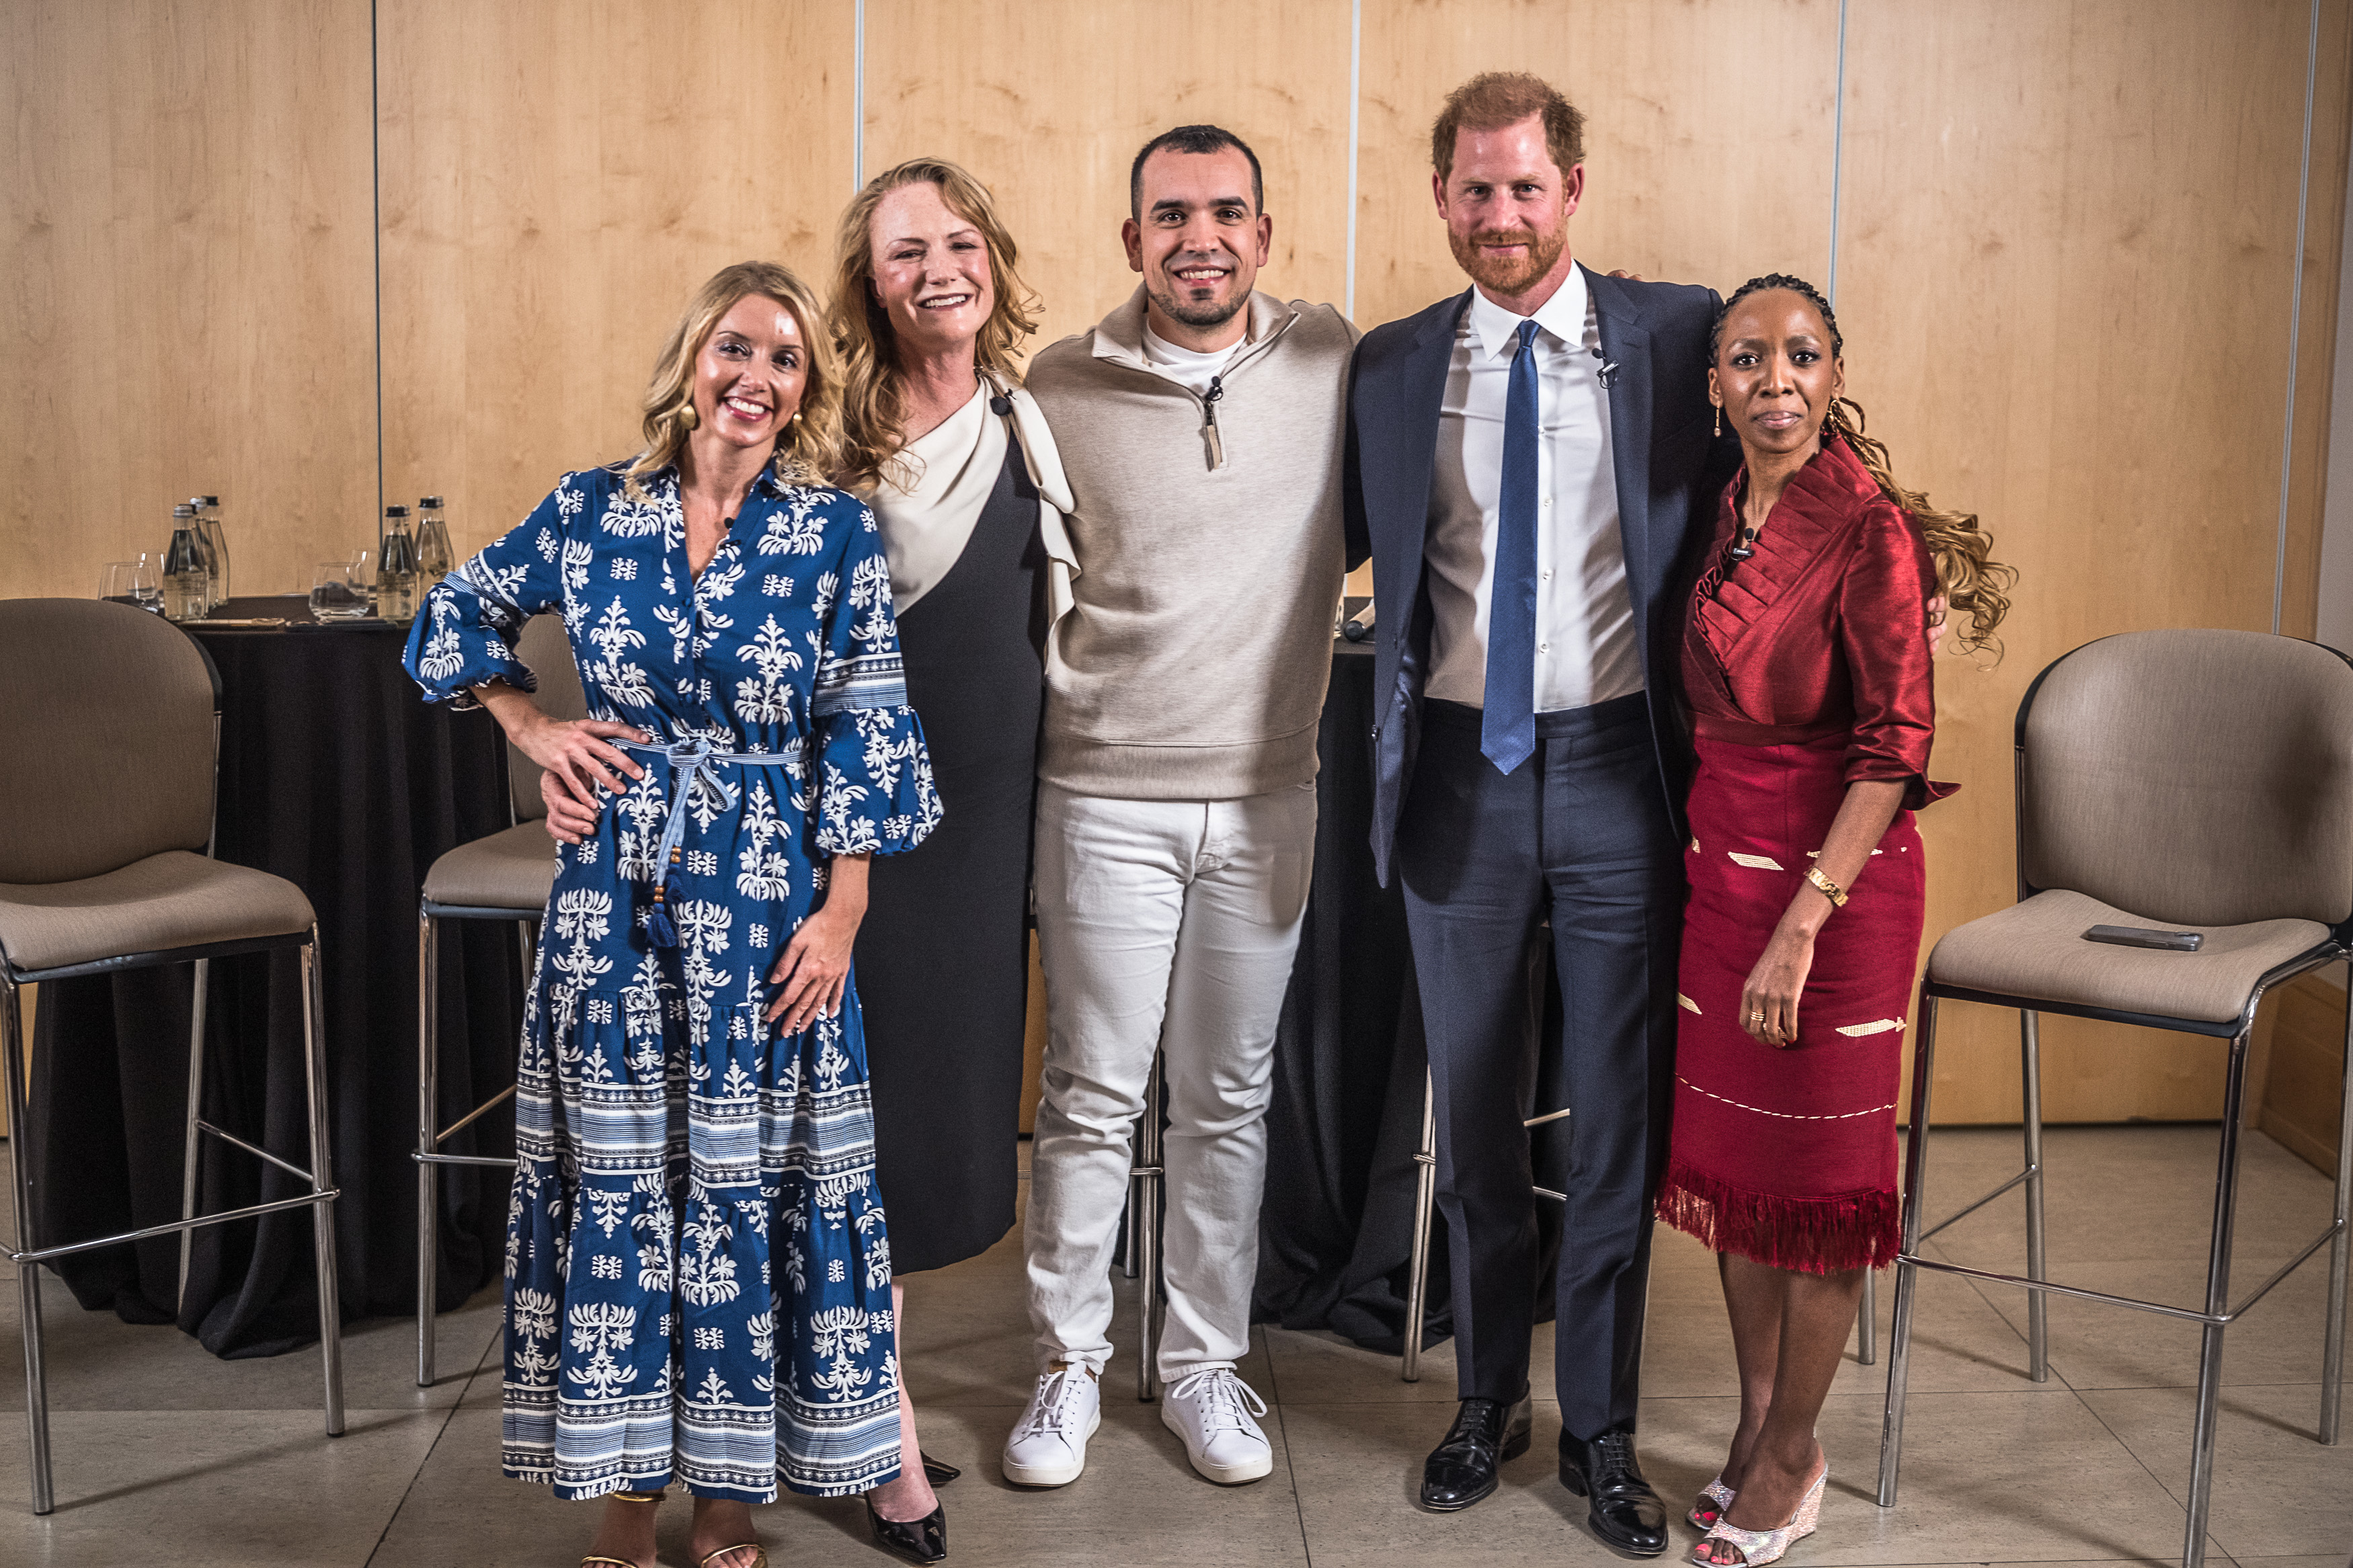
<point x="698" y="1275"/>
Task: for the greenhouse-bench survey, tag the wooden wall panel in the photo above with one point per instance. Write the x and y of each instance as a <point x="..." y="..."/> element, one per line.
<point x="2064" y="284"/>
<point x="558" y="178"/>
<point x="187" y="294"/>
<point x="1707" y="137"/>
<point x="1047" y="102"/>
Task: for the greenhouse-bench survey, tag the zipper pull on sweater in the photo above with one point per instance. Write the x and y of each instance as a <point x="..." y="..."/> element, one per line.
<point x="1209" y="420"/>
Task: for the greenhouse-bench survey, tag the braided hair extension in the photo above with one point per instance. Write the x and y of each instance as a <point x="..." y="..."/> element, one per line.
<point x="1967" y="573"/>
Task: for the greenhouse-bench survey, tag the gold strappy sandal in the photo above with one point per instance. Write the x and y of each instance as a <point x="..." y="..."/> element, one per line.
<point x="597" y="1560"/>
<point x="759" y="1555"/>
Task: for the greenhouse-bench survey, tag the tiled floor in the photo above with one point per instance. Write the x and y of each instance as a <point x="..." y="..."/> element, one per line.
<point x="165" y="1453"/>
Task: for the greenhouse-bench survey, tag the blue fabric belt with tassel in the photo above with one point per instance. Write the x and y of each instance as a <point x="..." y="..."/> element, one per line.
<point x="693" y="761"/>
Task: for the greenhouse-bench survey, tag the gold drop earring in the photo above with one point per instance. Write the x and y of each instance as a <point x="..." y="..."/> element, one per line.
<point x="1719" y="418"/>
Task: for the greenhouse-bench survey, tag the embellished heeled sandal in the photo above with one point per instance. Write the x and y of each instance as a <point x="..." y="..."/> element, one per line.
<point x="1713" y="1499"/>
<point x="1758" y="1547"/>
<point x="597" y="1560"/>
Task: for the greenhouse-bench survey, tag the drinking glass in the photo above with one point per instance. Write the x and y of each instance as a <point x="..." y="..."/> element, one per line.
<point x="132" y="583"/>
<point x="147" y="588"/>
<point x="333" y="596"/>
<point x="364" y="564"/>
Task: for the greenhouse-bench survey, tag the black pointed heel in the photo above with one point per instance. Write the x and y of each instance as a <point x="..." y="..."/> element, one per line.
<point x="937" y="1472"/>
<point x="919" y="1540"/>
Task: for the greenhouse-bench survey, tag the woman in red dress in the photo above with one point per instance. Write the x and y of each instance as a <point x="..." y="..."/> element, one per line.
<point x="1808" y="674"/>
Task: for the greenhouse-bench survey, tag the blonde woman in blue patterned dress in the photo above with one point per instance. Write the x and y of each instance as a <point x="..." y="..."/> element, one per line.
<point x="697" y="1274"/>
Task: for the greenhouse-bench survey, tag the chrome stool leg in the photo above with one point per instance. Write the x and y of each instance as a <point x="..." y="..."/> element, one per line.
<point x="1907" y="1277"/>
<point x="1146" y="1204"/>
<point x="2332" y="1361"/>
<point x="428" y="1126"/>
<point x="1425" y="1193"/>
<point x="1866" y="1320"/>
<point x="2218" y="1303"/>
<point x="195" y="1109"/>
<point x="28" y="1275"/>
<point x="2038" y="1316"/>
<point x="322" y="1215"/>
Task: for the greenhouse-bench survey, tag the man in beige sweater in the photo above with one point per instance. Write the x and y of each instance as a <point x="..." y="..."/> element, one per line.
<point x="1200" y="427"/>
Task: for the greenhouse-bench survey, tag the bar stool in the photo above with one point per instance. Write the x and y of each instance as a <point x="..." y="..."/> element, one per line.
<point x="505" y="876"/>
<point x="2188" y="780"/>
<point x="1145" y="1219"/>
<point x="113" y="718"/>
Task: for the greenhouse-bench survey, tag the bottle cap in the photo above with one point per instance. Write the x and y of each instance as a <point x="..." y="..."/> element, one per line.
<point x="431" y="500"/>
<point x="185" y="508"/>
<point x="396" y="512"/>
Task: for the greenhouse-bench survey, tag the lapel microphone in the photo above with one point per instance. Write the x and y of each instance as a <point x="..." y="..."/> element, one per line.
<point x="1608" y="369"/>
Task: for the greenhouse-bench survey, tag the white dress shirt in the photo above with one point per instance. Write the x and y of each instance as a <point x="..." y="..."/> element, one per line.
<point x="1585" y="649"/>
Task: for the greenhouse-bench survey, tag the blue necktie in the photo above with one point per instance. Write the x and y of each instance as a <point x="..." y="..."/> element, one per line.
<point x="1507" y="729"/>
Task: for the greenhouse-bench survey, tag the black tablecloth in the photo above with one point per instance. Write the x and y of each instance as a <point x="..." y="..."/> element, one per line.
<point x="335" y="776"/>
<point x="1336" y="1233"/>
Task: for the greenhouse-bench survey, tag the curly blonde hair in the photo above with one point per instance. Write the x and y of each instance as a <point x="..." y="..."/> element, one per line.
<point x="809" y="448"/>
<point x="873" y="398"/>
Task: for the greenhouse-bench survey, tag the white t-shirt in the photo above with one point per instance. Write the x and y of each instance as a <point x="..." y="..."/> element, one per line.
<point x="1194" y="370"/>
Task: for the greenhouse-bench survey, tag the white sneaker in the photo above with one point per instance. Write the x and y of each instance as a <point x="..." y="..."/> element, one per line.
<point x="1211" y="1410"/>
<point x="1048" y="1445"/>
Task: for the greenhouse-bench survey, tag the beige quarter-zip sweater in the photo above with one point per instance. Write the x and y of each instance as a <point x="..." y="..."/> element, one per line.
<point x="1207" y="548"/>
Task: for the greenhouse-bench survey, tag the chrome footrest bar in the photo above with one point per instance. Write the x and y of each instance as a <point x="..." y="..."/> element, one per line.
<point x="173" y="1227"/>
<point x="492" y="1160"/>
<point x="2184" y="1313"/>
<point x="2026" y="1175"/>
<point x="471" y="1117"/>
<point x="287" y="1166"/>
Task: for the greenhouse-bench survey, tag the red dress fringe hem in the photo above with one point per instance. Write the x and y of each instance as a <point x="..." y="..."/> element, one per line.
<point x="1811" y="1236"/>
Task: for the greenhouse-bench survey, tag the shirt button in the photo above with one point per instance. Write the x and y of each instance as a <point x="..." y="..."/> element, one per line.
<point x="1543" y="647"/>
<point x="1548" y="500"/>
<point x="1547" y="575"/>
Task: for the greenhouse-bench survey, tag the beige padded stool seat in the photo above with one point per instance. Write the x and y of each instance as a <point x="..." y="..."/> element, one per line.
<point x="510" y="870"/>
<point x="505" y="876"/>
<point x="2037" y="949"/>
<point x="2169" y="781"/>
<point x="170" y="900"/>
<point x="112" y="716"/>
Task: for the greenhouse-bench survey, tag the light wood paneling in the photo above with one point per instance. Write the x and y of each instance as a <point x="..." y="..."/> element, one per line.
<point x="2307" y="1084"/>
<point x="2064" y="284"/>
<point x="2324" y="241"/>
<point x="188" y="283"/>
<point x="558" y="178"/>
<point x="1708" y="136"/>
<point x="1047" y="102"/>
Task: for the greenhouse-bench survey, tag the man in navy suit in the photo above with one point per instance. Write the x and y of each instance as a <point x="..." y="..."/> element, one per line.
<point x="1529" y="466"/>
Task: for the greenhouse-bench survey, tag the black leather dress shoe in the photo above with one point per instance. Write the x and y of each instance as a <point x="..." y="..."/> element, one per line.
<point x="1626" y="1513"/>
<point x="1463" y="1470"/>
<point x="920" y="1540"/>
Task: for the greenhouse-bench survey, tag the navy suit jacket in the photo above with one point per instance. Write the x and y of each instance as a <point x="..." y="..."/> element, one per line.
<point x="1669" y="473"/>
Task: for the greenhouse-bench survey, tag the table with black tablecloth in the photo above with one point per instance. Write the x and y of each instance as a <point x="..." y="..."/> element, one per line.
<point x="334" y="776"/>
<point x="1336" y="1233"/>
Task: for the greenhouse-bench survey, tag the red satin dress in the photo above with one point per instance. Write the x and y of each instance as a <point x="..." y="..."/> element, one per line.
<point x="1807" y="668"/>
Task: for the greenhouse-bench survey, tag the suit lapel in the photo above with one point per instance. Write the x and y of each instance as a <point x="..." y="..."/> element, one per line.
<point x="1423" y="396"/>
<point x="1626" y="344"/>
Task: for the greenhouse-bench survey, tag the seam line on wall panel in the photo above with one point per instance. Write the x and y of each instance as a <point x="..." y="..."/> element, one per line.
<point x="2295" y="321"/>
<point x="1838" y="152"/>
<point x="1356" y="88"/>
<point x="375" y="234"/>
<point x="858" y="98"/>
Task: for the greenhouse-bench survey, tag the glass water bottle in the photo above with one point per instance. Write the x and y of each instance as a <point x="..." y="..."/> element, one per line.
<point x="434" y="556"/>
<point x="187" y="580"/>
<point x="396" y="569"/>
<point x="208" y="512"/>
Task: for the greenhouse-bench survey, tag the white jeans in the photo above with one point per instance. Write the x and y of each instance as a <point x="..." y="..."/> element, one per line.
<point x="1169" y="924"/>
